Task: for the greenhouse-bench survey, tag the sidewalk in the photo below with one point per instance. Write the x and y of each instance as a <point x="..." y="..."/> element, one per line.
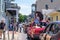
<point x="22" y="35"/>
<point x="17" y="35"/>
<point x="10" y="35"/>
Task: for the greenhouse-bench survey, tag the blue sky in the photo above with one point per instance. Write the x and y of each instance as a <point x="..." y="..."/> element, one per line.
<point x="25" y="6"/>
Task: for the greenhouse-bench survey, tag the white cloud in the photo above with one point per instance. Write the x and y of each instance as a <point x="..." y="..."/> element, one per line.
<point x="25" y="6"/>
<point x="25" y="9"/>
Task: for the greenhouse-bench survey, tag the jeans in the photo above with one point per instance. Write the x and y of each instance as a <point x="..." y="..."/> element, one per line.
<point x="20" y="29"/>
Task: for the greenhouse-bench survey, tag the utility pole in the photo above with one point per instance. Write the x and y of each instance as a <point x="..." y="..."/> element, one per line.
<point x="4" y="29"/>
<point x="13" y="34"/>
<point x="13" y="29"/>
<point x="4" y="35"/>
<point x="8" y="17"/>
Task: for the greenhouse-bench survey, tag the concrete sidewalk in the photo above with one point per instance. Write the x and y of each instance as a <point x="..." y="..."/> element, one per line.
<point x="22" y="36"/>
<point x="16" y="34"/>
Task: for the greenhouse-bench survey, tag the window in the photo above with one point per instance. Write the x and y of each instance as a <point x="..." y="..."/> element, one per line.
<point x="33" y="8"/>
<point x="51" y="18"/>
<point x="3" y="7"/>
<point x="46" y="6"/>
<point x="51" y="0"/>
<point x="56" y="18"/>
<point x="56" y="28"/>
<point x="47" y="28"/>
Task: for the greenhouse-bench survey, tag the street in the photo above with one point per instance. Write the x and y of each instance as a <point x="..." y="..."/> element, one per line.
<point x="30" y="20"/>
<point x="17" y="36"/>
<point x="20" y="36"/>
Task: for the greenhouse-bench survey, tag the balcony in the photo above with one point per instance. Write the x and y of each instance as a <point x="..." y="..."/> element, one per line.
<point x="12" y="0"/>
<point x="12" y="5"/>
<point x="8" y="0"/>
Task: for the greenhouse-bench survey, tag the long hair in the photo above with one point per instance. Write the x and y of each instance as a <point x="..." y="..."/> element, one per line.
<point x="39" y="14"/>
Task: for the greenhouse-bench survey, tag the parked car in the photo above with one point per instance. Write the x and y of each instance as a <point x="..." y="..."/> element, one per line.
<point x="34" y="32"/>
<point x="51" y="32"/>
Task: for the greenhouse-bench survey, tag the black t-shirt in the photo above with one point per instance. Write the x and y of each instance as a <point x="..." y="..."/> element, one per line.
<point x="2" y="25"/>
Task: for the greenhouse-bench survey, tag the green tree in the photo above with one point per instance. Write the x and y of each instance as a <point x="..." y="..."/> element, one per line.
<point x="22" y="18"/>
<point x="25" y="17"/>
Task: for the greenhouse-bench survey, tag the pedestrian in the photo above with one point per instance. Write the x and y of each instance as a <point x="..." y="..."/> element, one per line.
<point x="48" y="20"/>
<point x="37" y="21"/>
<point x="15" y="26"/>
<point x="24" y="27"/>
<point x="20" y="26"/>
<point x="31" y="23"/>
<point x="2" y="28"/>
<point x="10" y="27"/>
<point x="38" y="17"/>
<point x="39" y="14"/>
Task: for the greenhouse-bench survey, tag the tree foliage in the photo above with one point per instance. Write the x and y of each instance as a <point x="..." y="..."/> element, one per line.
<point x="22" y="18"/>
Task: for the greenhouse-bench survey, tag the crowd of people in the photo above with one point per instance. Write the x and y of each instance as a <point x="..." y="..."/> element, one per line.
<point x="38" y="23"/>
<point x="38" y="18"/>
<point x="3" y="27"/>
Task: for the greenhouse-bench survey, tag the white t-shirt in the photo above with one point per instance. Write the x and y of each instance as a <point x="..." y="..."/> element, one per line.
<point x="20" y="25"/>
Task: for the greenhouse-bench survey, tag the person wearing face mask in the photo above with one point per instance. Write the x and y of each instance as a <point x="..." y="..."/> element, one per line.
<point x="36" y="19"/>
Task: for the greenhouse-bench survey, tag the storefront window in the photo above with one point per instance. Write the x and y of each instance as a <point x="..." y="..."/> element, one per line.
<point x="46" y="6"/>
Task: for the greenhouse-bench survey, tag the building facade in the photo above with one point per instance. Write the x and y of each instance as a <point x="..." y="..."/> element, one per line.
<point x="12" y="11"/>
<point x="55" y="16"/>
<point x="33" y="7"/>
<point x="8" y="11"/>
<point x="2" y="7"/>
<point x="47" y="4"/>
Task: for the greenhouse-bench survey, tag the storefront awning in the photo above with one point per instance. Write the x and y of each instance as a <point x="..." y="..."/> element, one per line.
<point x="12" y="12"/>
